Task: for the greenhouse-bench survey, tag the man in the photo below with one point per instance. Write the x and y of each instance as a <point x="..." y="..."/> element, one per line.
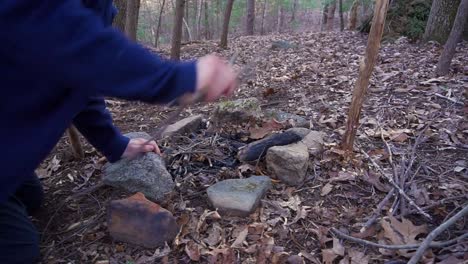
<point x="58" y="59"/>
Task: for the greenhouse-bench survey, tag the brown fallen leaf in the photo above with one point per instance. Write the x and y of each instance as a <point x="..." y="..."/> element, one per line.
<point x="374" y="179"/>
<point x="240" y="238"/>
<point x="192" y="250"/>
<point x="326" y="189"/>
<point x="402" y="137"/>
<point x="265" y="129"/>
<point x="399" y="233"/>
<point x="358" y="257"/>
<point x="343" y="176"/>
<point x="338" y="248"/>
<point x="328" y="256"/>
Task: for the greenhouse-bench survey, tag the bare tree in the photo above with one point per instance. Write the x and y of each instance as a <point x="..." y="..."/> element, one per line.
<point x="119" y="20"/>
<point x="365" y="71"/>
<point x="262" y="30"/>
<point x="177" y="29"/>
<point x="207" y="22"/>
<point x="279" y="24"/>
<point x="331" y="15"/>
<point x="440" y="20"/>
<point x="455" y="36"/>
<point x="158" y="28"/>
<point x="250" y="17"/>
<point x="293" y="12"/>
<point x="131" y="21"/>
<point x="227" y="18"/>
<point x="324" y="17"/>
<point x="353" y="15"/>
<point x="198" y="22"/>
<point x="340" y="6"/>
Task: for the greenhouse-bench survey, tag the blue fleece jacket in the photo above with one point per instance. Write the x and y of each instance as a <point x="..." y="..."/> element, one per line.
<point x="58" y="59"/>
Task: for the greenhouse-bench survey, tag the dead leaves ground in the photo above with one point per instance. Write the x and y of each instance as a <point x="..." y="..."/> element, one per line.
<point x="314" y="79"/>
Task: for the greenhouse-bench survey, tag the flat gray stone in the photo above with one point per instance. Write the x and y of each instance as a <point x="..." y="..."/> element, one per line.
<point x="288" y="163"/>
<point x="183" y="127"/>
<point x="292" y="119"/>
<point x="238" y="197"/>
<point x="146" y="173"/>
<point x="237" y="112"/>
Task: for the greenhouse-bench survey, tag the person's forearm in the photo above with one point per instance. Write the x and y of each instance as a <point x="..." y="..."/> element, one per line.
<point x="71" y="46"/>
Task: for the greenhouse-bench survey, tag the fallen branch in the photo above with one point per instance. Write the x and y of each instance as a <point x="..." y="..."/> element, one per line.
<point x="438" y="203"/>
<point x="400" y="190"/>
<point x="377" y="211"/>
<point x="398" y="247"/>
<point x="448" y="98"/>
<point x="427" y="242"/>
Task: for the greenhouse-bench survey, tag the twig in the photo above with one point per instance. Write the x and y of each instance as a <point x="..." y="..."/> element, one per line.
<point x="441" y="202"/>
<point x="377" y="210"/>
<point x="427" y="242"/>
<point x="400" y="191"/>
<point x="448" y="98"/>
<point x="397" y="247"/>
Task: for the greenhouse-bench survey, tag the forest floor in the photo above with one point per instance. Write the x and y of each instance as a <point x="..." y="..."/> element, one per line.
<point x="409" y="117"/>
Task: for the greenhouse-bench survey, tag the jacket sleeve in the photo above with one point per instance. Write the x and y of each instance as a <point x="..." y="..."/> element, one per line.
<point x="71" y="44"/>
<point x="95" y="124"/>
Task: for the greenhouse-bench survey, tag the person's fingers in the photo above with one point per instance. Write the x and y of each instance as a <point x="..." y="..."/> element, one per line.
<point x="156" y="147"/>
<point x="148" y="148"/>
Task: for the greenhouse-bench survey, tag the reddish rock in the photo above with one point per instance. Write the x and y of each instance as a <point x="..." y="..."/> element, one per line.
<point x="139" y="221"/>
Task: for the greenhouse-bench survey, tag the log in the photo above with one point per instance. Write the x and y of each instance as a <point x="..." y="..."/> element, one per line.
<point x="258" y="149"/>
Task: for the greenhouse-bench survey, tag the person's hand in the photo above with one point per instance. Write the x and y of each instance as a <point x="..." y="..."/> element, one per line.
<point x="139" y="146"/>
<point x="215" y="78"/>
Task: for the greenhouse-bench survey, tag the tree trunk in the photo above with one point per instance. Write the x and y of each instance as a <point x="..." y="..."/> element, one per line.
<point x="131" y="21"/>
<point x="218" y="10"/>
<point x="331" y="15"/>
<point x="365" y="70"/>
<point x="262" y="29"/>
<point x="293" y="12"/>
<point x="279" y="24"/>
<point x="186" y="32"/>
<point x="198" y="22"/>
<point x="207" y="22"/>
<point x="440" y="20"/>
<point x="227" y="17"/>
<point x="353" y="15"/>
<point x="455" y="36"/>
<point x="324" y="17"/>
<point x="250" y="17"/>
<point x="177" y="29"/>
<point x="158" y="29"/>
<point x="119" y="20"/>
<point x="341" y="14"/>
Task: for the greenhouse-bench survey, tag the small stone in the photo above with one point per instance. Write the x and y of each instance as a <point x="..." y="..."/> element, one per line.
<point x="183" y="127"/>
<point x="138" y="134"/>
<point x="238" y="197"/>
<point x="237" y="112"/>
<point x="139" y="221"/>
<point x="314" y="142"/>
<point x="146" y="173"/>
<point x="288" y="163"/>
<point x="292" y="119"/>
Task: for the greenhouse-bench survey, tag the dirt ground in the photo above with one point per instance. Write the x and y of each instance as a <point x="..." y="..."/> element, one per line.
<point x="422" y="119"/>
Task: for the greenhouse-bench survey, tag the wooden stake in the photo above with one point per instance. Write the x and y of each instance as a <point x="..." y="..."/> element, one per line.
<point x="75" y="142"/>
<point x="365" y="70"/>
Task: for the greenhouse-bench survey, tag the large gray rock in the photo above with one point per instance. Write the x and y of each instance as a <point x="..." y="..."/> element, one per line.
<point x="314" y="142"/>
<point x="146" y="173"/>
<point x="184" y="126"/>
<point x="288" y="163"/>
<point x="237" y="112"/>
<point x="292" y="119"/>
<point x="238" y="197"/>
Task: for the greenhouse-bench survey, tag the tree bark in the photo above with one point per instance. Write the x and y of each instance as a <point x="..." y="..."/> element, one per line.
<point x="119" y="20"/>
<point x="158" y="28"/>
<point x="279" y="24"/>
<point x="207" y="22"/>
<point x="227" y="18"/>
<point x="443" y="66"/>
<point x="186" y="32"/>
<point x="353" y="15"/>
<point x="250" y="17"/>
<point x="198" y="22"/>
<point x="365" y="70"/>
<point x="177" y="29"/>
<point x="440" y="20"/>
<point x="331" y="15"/>
<point x="341" y="14"/>
<point x="131" y="21"/>
<point x="262" y="29"/>
<point x="324" y="17"/>
<point x="293" y="12"/>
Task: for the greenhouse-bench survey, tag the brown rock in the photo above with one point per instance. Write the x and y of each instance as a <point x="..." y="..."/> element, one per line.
<point x="139" y="221"/>
<point x="288" y="163"/>
<point x="184" y="126"/>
